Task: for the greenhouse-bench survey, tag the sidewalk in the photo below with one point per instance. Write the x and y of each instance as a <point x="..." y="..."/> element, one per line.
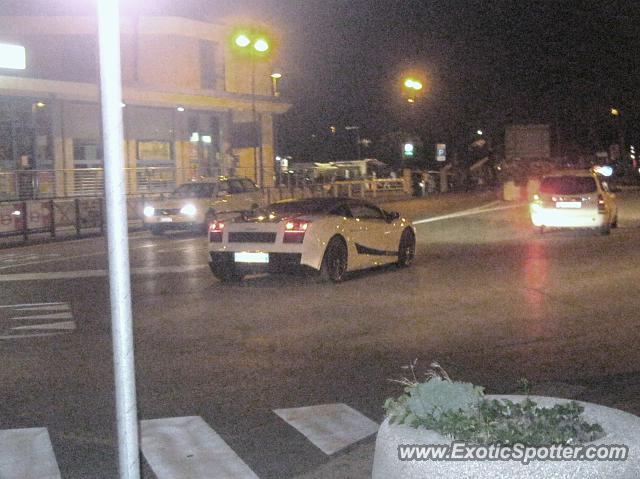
<point x="620" y="391"/>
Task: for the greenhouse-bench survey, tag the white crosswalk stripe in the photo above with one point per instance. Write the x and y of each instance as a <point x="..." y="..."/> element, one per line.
<point x="186" y="448"/>
<point x="331" y="427"/>
<point x="27" y="454"/>
<point x="18" y="259"/>
<point x="15" y="324"/>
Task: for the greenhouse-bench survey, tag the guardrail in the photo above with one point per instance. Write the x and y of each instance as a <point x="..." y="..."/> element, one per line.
<point x="85" y="215"/>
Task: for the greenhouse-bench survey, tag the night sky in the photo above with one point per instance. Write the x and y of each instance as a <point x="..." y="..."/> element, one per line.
<point x="486" y="64"/>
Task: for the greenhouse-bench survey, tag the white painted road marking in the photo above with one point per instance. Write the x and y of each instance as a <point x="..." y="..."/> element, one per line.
<point x="49" y="324"/>
<point x="19" y="259"/>
<point x="97" y="273"/>
<point x="45" y="307"/>
<point x="331" y="427"/>
<point x="63" y="325"/>
<point x="473" y="211"/>
<point x="187" y="448"/>
<point x="23" y="336"/>
<point x="66" y="315"/>
<point x="35" y="305"/>
<point x="27" y="454"/>
<point x="57" y="258"/>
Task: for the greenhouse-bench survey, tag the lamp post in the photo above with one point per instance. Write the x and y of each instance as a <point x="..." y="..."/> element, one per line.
<point x="617" y="120"/>
<point x="254" y="45"/>
<point x="357" y="130"/>
<point x="275" y="76"/>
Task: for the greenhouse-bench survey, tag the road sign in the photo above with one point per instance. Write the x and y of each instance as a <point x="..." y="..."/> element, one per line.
<point x="441" y="152"/>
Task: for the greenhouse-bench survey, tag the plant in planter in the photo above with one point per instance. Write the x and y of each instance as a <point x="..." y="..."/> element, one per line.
<point x="438" y="411"/>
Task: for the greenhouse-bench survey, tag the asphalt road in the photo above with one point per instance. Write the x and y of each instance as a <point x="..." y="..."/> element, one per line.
<point x="487" y="297"/>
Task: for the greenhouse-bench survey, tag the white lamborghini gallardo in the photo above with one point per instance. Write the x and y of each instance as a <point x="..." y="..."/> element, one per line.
<point x="330" y="235"/>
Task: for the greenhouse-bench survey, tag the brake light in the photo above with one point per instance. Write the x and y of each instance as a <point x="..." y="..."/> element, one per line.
<point x="601" y="205"/>
<point x="215" y="231"/>
<point x="294" y="231"/>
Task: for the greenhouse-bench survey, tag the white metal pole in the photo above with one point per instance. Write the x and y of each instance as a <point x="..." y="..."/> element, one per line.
<point x="118" y="239"/>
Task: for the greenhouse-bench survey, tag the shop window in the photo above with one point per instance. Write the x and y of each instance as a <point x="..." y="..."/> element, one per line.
<point x="87" y="154"/>
<point x="154" y="153"/>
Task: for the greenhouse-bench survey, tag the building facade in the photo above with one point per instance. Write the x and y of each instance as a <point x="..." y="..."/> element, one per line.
<point x="192" y="106"/>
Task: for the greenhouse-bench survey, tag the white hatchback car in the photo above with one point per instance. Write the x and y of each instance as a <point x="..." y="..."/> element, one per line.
<point x="329" y="235"/>
<point x="195" y="204"/>
<point x="574" y="199"/>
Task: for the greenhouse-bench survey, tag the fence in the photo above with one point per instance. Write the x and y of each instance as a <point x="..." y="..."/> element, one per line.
<point x="39" y="184"/>
<point x="84" y="215"/>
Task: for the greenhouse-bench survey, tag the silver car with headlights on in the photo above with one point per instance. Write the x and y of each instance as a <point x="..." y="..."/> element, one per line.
<point x="193" y="205"/>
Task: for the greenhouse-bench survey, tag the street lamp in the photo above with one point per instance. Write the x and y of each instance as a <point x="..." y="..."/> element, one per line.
<point x="275" y="76"/>
<point x="412" y="86"/>
<point x="618" y="122"/>
<point x="255" y="45"/>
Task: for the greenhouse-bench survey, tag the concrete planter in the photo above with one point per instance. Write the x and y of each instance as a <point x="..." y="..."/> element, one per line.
<point x="622" y="429"/>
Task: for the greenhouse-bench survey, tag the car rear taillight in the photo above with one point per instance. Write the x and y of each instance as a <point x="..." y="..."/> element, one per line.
<point x="215" y="231"/>
<point x="601" y="206"/>
<point x="294" y="231"/>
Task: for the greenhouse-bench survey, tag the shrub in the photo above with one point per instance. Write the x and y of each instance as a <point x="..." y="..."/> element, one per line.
<point x="460" y="411"/>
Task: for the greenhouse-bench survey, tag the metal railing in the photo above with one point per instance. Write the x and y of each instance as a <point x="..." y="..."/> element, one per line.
<point x="38" y="184"/>
<point x="77" y="216"/>
<point x="45" y="184"/>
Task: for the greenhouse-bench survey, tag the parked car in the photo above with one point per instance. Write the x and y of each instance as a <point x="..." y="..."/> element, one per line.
<point x="574" y="199"/>
<point x="193" y="205"/>
<point x="330" y="235"/>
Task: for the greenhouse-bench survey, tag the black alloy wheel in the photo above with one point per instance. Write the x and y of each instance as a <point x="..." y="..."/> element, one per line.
<point x="334" y="261"/>
<point x="406" y="248"/>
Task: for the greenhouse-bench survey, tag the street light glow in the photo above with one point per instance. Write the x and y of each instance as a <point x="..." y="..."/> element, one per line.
<point x="261" y="45"/>
<point x="615" y="112"/>
<point x="413" y="84"/>
<point x="242" y="41"/>
<point x="276" y="75"/>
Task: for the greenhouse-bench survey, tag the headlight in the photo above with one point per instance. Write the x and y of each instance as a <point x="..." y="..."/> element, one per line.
<point x="188" y="210"/>
<point x="149" y="211"/>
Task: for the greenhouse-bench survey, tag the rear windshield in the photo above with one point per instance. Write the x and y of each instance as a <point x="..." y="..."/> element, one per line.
<point x="195" y="190"/>
<point x="306" y="207"/>
<point x="568" y="185"/>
